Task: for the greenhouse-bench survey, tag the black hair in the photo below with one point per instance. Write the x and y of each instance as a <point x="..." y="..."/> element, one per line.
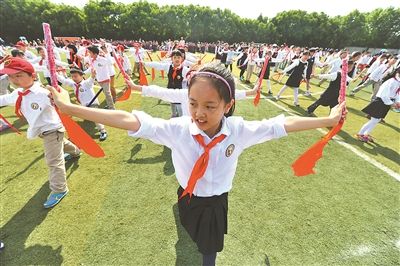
<point x="73" y="47"/>
<point x="76" y="70"/>
<point x="16" y="52"/>
<point x="355" y="54"/>
<point x="94" y="49"/>
<point x="177" y="53"/>
<point x="219" y="85"/>
<point x="39" y="48"/>
<point x="391" y="75"/>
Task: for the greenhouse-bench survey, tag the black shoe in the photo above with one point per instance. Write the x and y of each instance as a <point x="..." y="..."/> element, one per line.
<point x="103" y="136"/>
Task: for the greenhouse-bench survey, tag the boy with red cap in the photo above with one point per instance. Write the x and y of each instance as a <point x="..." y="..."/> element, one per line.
<point x="23" y="47"/>
<point x="32" y="102"/>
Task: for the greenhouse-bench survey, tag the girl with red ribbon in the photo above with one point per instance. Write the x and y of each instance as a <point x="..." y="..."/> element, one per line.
<point x="205" y="147"/>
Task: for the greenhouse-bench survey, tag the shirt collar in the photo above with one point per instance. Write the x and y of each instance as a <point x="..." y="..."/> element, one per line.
<point x="194" y="130"/>
<point x="36" y="87"/>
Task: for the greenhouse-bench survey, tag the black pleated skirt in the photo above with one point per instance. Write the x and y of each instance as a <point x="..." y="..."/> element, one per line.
<point x="205" y="219"/>
<point x="377" y="108"/>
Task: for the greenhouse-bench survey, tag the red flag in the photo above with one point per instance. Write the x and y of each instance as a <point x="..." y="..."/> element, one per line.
<point x="142" y="76"/>
<point x="305" y="163"/>
<point x="260" y="79"/>
<point x="75" y="132"/>
<point x="162" y="71"/>
<point x="127" y="93"/>
<point x="153" y="74"/>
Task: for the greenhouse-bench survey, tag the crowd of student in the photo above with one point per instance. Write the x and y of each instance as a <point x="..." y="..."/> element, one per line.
<point x="202" y="101"/>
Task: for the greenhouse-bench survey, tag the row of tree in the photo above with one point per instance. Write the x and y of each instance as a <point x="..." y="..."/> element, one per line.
<point x="379" y="28"/>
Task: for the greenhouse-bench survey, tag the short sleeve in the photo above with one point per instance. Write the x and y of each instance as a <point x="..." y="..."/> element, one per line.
<point x="256" y="132"/>
<point x="159" y="131"/>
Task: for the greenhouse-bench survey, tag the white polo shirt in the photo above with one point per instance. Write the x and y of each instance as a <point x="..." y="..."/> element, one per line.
<point x="85" y="88"/>
<point x="388" y="91"/>
<point x="102" y="65"/>
<point x="177" y="134"/>
<point x="36" y="108"/>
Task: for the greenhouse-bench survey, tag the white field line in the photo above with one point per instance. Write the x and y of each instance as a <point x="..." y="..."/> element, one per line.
<point x="340" y="141"/>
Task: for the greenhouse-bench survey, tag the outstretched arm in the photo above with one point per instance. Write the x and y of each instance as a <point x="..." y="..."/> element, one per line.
<point x="295" y="123"/>
<point x="114" y="118"/>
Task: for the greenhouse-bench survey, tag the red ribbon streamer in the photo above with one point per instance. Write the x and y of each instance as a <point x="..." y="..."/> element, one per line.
<point x="153" y="72"/>
<point x="260" y="79"/>
<point x="306" y="162"/>
<point x="75" y="132"/>
<point x="142" y="76"/>
<point x="162" y="71"/>
<point x="9" y="124"/>
<point x="127" y="93"/>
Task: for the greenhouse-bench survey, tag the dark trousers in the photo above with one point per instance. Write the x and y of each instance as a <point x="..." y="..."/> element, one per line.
<point x="242" y="72"/>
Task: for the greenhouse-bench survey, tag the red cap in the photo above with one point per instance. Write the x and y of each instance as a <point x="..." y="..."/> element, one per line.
<point x="15" y="65"/>
<point x="20" y="43"/>
<point x="120" y="47"/>
<point x="85" y="42"/>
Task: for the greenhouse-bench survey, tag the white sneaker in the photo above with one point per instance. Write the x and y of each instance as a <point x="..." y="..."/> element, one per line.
<point x="296" y="104"/>
<point x="277" y="97"/>
<point x="307" y="93"/>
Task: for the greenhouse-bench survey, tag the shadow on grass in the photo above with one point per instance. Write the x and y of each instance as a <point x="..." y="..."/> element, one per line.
<point x="372" y="148"/>
<point x="186" y="249"/>
<point x="356" y="112"/>
<point x="165" y="156"/>
<point x="41" y="156"/>
<point x="89" y="127"/>
<point x="18" y="229"/>
<point x="161" y="102"/>
<point x="396" y="128"/>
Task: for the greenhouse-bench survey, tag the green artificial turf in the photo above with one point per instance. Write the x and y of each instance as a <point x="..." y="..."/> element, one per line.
<point x="122" y="210"/>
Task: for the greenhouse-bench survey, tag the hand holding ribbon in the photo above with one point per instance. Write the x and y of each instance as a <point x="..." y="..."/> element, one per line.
<point x="75" y="132"/>
<point x="306" y="162"/>
<point x="259" y="82"/>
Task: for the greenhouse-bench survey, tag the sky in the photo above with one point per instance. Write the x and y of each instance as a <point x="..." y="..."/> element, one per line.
<point x="253" y="8"/>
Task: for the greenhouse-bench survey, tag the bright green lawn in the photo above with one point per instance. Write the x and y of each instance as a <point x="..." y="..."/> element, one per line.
<point x="121" y="209"/>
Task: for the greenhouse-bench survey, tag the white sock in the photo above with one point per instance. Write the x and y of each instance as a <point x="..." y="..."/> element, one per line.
<point x="282" y="90"/>
<point x="296" y="94"/>
<point x="367" y="127"/>
<point x="269" y="85"/>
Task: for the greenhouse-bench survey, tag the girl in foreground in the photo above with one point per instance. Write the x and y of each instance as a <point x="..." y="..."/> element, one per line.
<point x="205" y="147"/>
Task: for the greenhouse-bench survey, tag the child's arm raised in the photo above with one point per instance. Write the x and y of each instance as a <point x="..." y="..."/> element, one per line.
<point x="295" y="123"/>
<point x="113" y="118"/>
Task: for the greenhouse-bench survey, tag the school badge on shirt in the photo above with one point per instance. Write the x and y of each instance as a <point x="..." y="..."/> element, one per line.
<point x="34" y="106"/>
<point x="229" y="150"/>
<point x="81" y="90"/>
